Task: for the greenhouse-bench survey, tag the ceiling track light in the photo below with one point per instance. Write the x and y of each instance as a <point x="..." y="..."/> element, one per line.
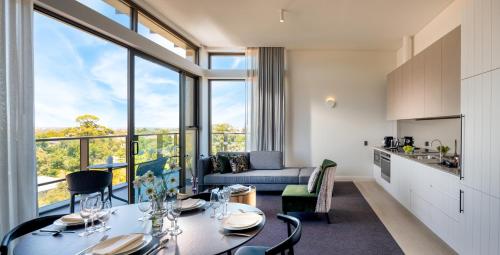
<point x="282" y="16"/>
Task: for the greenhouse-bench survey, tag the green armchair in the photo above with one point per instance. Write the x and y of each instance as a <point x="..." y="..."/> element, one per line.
<point x="296" y="198"/>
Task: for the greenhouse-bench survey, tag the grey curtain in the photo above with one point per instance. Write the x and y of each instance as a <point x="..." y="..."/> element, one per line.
<point x="270" y="100"/>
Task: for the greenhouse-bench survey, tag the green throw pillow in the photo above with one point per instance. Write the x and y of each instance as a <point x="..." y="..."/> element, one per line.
<point x="225" y="164"/>
<point x="326" y="164"/>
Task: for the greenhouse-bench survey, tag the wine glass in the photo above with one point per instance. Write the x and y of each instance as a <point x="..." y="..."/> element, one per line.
<point x="85" y="212"/>
<point x="144" y="206"/>
<point x="214" y="202"/>
<point x="95" y="208"/>
<point x="104" y="217"/>
<point x="174" y="211"/>
<point x="226" y="196"/>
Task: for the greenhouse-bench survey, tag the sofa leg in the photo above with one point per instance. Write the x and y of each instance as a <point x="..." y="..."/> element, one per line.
<point x="328" y="218"/>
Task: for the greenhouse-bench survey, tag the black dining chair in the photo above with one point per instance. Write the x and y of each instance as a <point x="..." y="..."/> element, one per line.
<point x="25" y="228"/>
<point x="281" y="248"/>
<point x="87" y="182"/>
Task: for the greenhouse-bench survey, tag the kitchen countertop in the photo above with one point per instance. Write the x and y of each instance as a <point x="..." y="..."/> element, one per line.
<point x="454" y="171"/>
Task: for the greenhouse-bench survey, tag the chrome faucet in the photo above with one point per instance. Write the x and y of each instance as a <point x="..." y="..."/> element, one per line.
<point x="440" y="152"/>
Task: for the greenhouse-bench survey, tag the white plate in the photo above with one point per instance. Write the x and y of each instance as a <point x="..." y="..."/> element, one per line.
<point x="60" y="223"/>
<point x="200" y="204"/>
<point x="146" y="239"/>
<point x="230" y="228"/>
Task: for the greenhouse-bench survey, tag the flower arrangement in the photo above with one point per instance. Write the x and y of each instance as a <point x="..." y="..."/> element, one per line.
<point x="156" y="187"/>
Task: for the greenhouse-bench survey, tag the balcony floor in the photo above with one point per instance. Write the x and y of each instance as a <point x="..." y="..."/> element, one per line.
<point x="119" y="192"/>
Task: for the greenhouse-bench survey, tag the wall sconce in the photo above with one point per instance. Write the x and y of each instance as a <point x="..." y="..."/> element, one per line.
<point x="330" y="101"/>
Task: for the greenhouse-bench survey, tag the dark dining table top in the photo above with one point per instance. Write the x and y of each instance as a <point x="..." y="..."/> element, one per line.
<point x="201" y="234"/>
<point x="109" y="165"/>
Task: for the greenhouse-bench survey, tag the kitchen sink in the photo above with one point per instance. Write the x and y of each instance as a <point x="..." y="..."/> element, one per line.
<point x="426" y="158"/>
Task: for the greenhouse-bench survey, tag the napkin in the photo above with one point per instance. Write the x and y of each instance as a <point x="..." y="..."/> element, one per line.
<point x="72" y="218"/>
<point x="189" y="203"/>
<point x="241" y="220"/>
<point x="238" y="188"/>
<point x="118" y="245"/>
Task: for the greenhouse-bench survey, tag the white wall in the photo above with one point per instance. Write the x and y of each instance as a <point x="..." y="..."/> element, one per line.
<point x="446" y="130"/>
<point x="357" y="79"/>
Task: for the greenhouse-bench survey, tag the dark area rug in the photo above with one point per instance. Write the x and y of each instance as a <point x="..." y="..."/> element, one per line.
<point x="355" y="228"/>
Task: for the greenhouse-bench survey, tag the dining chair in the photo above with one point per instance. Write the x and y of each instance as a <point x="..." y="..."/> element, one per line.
<point x="87" y="182"/>
<point x="25" y="228"/>
<point x="156" y="166"/>
<point x="292" y="239"/>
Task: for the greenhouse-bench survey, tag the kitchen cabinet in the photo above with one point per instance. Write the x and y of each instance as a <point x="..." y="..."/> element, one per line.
<point x="451" y="73"/>
<point x="433" y="85"/>
<point x="417" y="92"/>
<point x="391" y="96"/>
<point x="428" y="85"/>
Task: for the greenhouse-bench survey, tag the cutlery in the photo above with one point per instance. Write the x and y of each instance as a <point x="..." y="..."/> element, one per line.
<point x="82" y="252"/>
<point x="54" y="231"/>
<point x="237" y="234"/>
<point x="162" y="245"/>
<point x="257" y="212"/>
<point x="151" y="249"/>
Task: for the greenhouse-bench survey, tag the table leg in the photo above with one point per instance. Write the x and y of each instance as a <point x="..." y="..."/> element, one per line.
<point x="110" y="188"/>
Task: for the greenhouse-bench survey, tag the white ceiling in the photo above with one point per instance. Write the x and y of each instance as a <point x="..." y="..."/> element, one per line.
<point x="310" y="24"/>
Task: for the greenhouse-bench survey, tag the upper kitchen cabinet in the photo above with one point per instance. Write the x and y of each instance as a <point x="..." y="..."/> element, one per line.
<point x="433" y="81"/>
<point x="428" y="85"/>
<point x="480" y="37"/>
<point x="451" y="73"/>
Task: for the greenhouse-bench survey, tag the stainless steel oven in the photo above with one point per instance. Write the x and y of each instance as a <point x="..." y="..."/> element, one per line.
<point x="376" y="157"/>
<point x="385" y="166"/>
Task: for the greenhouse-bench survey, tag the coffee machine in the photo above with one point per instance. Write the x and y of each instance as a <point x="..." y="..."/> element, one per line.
<point x="388" y="141"/>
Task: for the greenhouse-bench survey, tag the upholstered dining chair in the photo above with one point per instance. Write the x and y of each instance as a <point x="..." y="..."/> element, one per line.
<point x="87" y="182"/>
<point x="286" y="245"/>
<point x="156" y="166"/>
<point x="297" y="198"/>
<point x="25" y="228"/>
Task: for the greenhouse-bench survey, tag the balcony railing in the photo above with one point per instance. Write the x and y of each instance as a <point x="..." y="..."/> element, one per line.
<point x="72" y="154"/>
<point x="228" y="141"/>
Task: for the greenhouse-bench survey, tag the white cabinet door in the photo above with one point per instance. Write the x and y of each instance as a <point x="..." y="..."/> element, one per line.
<point x="479" y="223"/>
<point x="405" y="169"/>
<point x="494" y="175"/>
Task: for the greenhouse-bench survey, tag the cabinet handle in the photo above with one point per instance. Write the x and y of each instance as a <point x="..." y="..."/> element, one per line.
<point x="462" y="145"/>
<point x="461" y="200"/>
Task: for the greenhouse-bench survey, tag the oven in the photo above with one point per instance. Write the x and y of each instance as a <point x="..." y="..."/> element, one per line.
<point x="385" y="166"/>
<point x="376" y="157"/>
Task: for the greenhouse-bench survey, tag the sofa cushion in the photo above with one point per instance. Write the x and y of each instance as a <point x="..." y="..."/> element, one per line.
<point x="266" y="160"/>
<point x="296" y="198"/>
<point x="305" y="173"/>
<point x="311" y="184"/>
<point x="287" y="175"/>
<point x="239" y="164"/>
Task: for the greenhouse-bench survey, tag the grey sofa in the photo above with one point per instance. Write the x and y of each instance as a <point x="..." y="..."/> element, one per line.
<point x="266" y="173"/>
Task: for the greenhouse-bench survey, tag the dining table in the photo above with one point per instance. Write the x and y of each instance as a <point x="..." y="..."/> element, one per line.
<point x="201" y="234"/>
<point x="110" y="167"/>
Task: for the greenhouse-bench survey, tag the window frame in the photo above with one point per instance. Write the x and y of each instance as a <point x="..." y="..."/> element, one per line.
<point x="210" y="111"/>
<point x="211" y="54"/>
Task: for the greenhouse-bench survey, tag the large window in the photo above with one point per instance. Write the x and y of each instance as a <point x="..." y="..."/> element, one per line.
<point x="157" y="33"/>
<point x="147" y="26"/>
<point x="95" y="98"/>
<point x="228" y="115"/>
<point x="227" y="61"/>
<point x="80" y="104"/>
<point x="113" y="9"/>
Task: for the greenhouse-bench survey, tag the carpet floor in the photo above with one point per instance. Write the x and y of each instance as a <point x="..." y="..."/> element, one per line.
<point x="355" y="228"/>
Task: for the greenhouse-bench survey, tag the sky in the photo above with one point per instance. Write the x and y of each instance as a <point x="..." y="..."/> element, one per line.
<point x="78" y="73"/>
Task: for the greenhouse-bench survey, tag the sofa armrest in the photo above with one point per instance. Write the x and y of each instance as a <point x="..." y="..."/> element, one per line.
<point x="204" y="168"/>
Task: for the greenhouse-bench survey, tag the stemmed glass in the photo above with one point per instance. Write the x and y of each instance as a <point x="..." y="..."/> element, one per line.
<point x="144" y="206"/>
<point x="85" y="212"/>
<point x="104" y="217"/>
<point x="95" y="207"/>
<point x="174" y="211"/>
<point x="214" y="202"/>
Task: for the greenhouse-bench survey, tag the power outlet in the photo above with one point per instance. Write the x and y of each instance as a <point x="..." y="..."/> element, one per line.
<point x="366" y="143"/>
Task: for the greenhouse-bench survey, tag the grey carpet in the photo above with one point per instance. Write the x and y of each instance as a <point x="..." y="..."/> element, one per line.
<point x="355" y="228"/>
